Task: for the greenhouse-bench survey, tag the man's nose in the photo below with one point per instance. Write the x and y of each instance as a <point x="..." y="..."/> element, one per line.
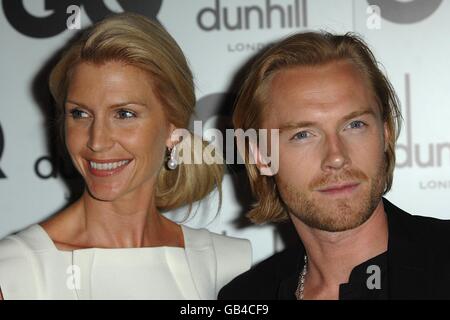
<point x="335" y="154"/>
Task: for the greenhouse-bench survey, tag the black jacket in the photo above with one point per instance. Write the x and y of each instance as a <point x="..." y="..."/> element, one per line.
<point x="418" y="263"/>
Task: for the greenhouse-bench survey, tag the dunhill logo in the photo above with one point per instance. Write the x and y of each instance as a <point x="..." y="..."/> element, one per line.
<point x="433" y="156"/>
<point x="269" y="15"/>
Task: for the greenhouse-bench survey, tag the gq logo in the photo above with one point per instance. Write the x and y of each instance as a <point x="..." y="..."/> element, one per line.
<point x="2" y="175"/>
<point x="405" y="12"/>
<point x="45" y="27"/>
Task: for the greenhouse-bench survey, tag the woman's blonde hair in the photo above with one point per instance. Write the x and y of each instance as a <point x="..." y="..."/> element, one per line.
<point x="308" y="49"/>
<point x="140" y="42"/>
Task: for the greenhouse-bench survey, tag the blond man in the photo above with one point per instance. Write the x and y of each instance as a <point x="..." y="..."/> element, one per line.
<point x="337" y="118"/>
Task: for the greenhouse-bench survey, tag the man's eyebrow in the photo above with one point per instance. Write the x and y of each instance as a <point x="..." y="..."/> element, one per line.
<point x="293" y="125"/>
<point x="300" y="124"/>
<point x="363" y="112"/>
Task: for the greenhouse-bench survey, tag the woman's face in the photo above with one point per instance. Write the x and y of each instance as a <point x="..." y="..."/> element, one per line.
<point x="115" y="128"/>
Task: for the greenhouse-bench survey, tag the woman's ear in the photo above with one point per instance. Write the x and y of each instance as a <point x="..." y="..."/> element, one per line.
<point x="171" y="139"/>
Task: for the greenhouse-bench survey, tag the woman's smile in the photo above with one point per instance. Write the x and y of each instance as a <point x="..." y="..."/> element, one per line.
<point x="106" y="168"/>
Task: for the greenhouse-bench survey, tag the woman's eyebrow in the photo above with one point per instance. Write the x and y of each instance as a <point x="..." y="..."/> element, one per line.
<point x="115" y="105"/>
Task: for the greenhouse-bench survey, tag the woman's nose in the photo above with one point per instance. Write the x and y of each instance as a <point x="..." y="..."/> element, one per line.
<point x="100" y="138"/>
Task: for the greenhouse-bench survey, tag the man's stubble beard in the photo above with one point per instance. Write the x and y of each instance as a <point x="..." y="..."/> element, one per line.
<point x="337" y="214"/>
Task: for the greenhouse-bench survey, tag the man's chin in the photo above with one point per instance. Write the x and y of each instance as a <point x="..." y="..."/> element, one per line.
<point x="341" y="227"/>
<point x="336" y="218"/>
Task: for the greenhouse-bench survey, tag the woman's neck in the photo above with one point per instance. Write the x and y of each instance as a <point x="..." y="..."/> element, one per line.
<point x="123" y="223"/>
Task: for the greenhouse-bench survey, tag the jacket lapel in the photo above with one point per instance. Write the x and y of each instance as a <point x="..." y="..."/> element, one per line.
<point x="289" y="278"/>
<point x="406" y="257"/>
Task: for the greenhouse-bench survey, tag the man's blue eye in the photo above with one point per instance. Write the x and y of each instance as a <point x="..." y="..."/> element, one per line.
<point x="301" y="135"/>
<point x="357" y="124"/>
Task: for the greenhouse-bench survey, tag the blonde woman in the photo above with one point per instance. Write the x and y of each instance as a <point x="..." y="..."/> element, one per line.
<point x="122" y="90"/>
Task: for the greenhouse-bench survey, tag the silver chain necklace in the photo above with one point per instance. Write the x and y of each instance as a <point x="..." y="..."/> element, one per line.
<point x="301" y="280"/>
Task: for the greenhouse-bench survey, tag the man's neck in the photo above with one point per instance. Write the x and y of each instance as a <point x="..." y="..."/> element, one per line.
<point x="333" y="255"/>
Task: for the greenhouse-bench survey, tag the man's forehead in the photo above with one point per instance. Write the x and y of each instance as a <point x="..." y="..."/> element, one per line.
<point x="336" y="88"/>
<point x="313" y="81"/>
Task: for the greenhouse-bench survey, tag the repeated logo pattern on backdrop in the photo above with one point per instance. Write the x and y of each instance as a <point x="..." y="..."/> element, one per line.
<point x="219" y="37"/>
<point x="52" y="25"/>
<point x="406" y="12"/>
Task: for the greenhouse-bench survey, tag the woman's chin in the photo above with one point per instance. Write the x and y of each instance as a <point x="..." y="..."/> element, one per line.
<point x="104" y="195"/>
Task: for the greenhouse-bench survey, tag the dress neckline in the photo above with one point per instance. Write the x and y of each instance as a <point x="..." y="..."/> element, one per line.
<point x="54" y="247"/>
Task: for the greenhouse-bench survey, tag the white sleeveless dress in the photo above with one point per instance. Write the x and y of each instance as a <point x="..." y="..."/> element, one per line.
<point x="31" y="267"/>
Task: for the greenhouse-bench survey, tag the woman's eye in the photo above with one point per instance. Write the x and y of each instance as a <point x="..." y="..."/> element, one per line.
<point x="356" y="124"/>
<point x="78" y="114"/>
<point x="125" y="114"/>
<point x="301" y="135"/>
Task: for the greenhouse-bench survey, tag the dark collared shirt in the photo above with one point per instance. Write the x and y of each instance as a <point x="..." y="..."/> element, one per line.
<point x="416" y="266"/>
<point x="368" y="281"/>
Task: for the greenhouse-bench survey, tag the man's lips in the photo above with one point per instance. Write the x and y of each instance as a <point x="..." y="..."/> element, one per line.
<point x="339" y="188"/>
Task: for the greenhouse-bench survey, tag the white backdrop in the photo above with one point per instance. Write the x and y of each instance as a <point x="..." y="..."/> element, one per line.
<point x="410" y="38"/>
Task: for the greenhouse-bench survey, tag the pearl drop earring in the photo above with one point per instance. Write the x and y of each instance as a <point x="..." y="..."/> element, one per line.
<point x="172" y="162"/>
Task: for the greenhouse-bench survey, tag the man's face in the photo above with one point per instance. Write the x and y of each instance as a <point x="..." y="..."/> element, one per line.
<point x="332" y="142"/>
